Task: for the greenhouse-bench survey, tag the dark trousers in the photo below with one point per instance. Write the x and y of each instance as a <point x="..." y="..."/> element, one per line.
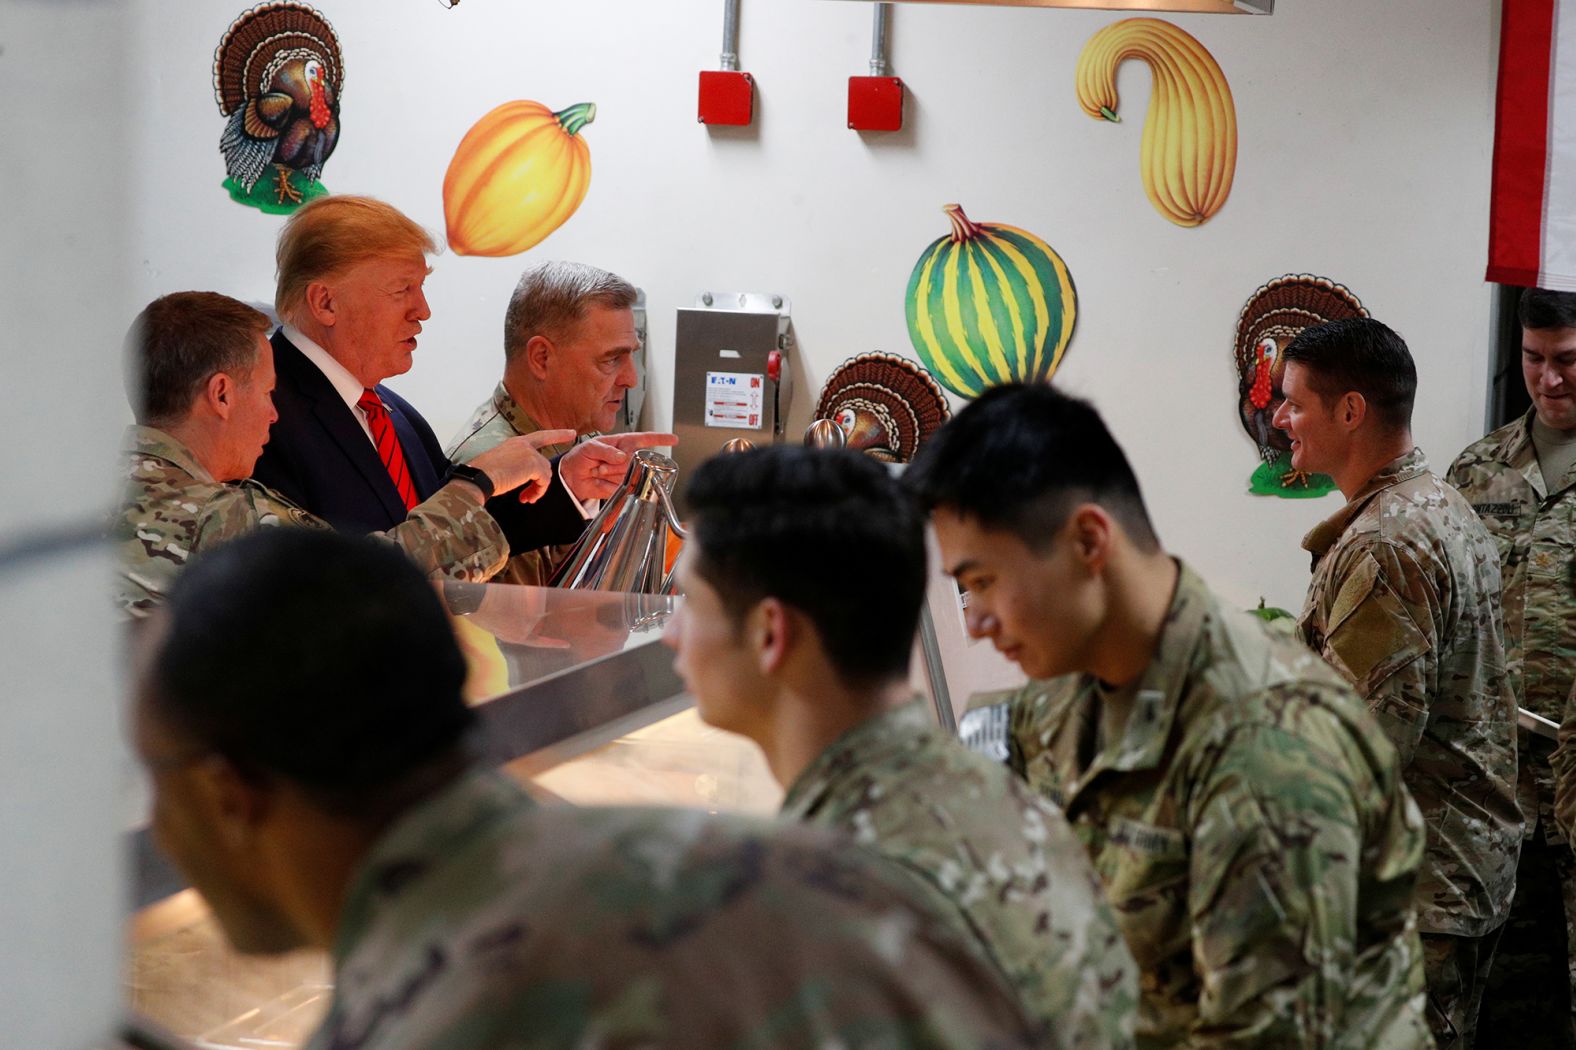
<point x="1528" y="1002"/>
<point x="1457" y="969"/>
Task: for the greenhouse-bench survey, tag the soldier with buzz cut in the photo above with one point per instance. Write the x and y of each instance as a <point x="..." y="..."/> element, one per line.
<point x="330" y="796"/>
<point x="200" y="377"/>
<point x="1404" y="603"/>
<point x="803" y="578"/>
<point x="1243" y="811"/>
<point x="1521" y="481"/>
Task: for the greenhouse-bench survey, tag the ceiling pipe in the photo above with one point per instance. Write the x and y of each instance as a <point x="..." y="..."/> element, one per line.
<point x="730" y="35"/>
<point x="878" y="41"/>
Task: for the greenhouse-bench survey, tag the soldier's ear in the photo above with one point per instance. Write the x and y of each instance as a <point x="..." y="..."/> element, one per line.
<point x="1090" y="529"/>
<point x="1353" y="409"/>
<point x="233" y="804"/>
<point x="219" y="394"/>
<point x="538" y="355"/>
<point x="771" y="630"/>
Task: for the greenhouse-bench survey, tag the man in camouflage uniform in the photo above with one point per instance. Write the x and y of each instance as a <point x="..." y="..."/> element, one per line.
<point x="462" y="916"/>
<point x="803" y="580"/>
<point x="1404" y="603"/>
<point x="1242" y="809"/>
<point x="569" y="344"/>
<point x="200" y="373"/>
<point x="1521" y="482"/>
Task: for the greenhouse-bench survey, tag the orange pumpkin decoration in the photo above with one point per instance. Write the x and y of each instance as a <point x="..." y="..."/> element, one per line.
<point x="516" y="176"/>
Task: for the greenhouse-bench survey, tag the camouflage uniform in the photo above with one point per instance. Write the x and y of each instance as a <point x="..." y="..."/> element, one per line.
<point x="1533" y="523"/>
<point x="1008" y="865"/>
<point x="1252" y="833"/>
<point x="493" y="423"/>
<point x="481" y="921"/>
<point x="1404" y="603"/>
<point x="172" y="508"/>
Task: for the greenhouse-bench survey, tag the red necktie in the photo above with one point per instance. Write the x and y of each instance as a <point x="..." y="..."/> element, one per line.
<point x="383" y="435"/>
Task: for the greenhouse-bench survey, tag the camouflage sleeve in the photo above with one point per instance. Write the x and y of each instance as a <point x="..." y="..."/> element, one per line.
<point x="449" y="535"/>
<point x="1564" y="763"/>
<point x="1460" y="472"/>
<point x="235" y="510"/>
<point x="1381" y="626"/>
<point x="1272" y="891"/>
<point x="1038" y="711"/>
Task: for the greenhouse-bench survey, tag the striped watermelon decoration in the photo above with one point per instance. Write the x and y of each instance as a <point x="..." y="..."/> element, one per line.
<point x="989" y="304"/>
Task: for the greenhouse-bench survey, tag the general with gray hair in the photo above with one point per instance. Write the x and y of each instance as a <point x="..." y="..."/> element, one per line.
<point x="569" y="343"/>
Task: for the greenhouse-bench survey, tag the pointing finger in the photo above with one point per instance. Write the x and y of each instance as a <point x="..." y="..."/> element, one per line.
<point x="643" y="439"/>
<point x="550" y="437"/>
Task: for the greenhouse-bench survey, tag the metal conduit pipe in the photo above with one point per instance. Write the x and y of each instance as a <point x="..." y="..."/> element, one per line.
<point x="878" y="41"/>
<point x="730" y="34"/>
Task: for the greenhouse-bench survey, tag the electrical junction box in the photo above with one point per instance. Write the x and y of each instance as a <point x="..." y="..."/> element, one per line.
<point x="731" y="375"/>
<point x="727" y="97"/>
<point x="875" y="103"/>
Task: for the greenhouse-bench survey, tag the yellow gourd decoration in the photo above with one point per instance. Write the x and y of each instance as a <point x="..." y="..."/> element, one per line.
<point x="1188" y="154"/>
<point x="516" y="176"/>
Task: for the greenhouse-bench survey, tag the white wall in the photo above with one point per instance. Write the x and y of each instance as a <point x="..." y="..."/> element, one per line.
<point x="61" y="766"/>
<point x="1365" y="137"/>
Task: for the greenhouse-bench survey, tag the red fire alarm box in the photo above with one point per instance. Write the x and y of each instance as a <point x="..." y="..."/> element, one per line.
<point x="726" y="97"/>
<point x="875" y="103"/>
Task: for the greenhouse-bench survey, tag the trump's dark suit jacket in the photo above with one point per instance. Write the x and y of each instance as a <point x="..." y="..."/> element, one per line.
<point x="318" y="455"/>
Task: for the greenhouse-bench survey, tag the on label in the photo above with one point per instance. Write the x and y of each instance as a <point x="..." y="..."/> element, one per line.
<point x="734" y="400"/>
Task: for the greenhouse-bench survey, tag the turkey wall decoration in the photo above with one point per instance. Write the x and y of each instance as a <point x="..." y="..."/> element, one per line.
<point x="516" y="176"/>
<point x="989" y="304"/>
<point x="277" y="75"/>
<point x="886" y="405"/>
<point x="1272" y="318"/>
<point x="1188" y="154"/>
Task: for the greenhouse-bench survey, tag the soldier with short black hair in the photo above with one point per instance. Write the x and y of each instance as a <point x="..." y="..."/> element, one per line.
<point x="803" y="577"/>
<point x="1404" y="603"/>
<point x="1521" y="482"/>
<point x="1243" y="811"/>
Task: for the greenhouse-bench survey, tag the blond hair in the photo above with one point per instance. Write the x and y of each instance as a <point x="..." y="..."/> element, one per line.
<point x="328" y="235"/>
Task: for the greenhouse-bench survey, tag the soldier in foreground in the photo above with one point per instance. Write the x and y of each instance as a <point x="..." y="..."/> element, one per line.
<point x="1242" y="809"/>
<point x="569" y="343"/>
<point x="326" y="797"/>
<point x="200" y="377"/>
<point x="1521" y="481"/>
<point x="1404" y="602"/>
<point x="803" y="580"/>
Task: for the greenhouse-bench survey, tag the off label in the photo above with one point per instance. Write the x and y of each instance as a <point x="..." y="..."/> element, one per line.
<point x="734" y="400"/>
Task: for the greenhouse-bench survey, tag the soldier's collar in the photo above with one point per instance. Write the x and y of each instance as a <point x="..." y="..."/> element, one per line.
<point x="518" y="418"/>
<point x="512" y="412"/>
<point x="1403" y="468"/>
<point x="857" y="748"/>
<point x="151" y="441"/>
<point x="1518" y="449"/>
<point x="423" y="836"/>
<point x="1159" y="693"/>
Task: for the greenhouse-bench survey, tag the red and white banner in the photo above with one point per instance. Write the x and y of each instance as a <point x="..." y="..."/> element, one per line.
<point x="1532" y="214"/>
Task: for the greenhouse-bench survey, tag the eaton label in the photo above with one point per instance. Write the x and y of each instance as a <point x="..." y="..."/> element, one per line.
<point x="735" y="400"/>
